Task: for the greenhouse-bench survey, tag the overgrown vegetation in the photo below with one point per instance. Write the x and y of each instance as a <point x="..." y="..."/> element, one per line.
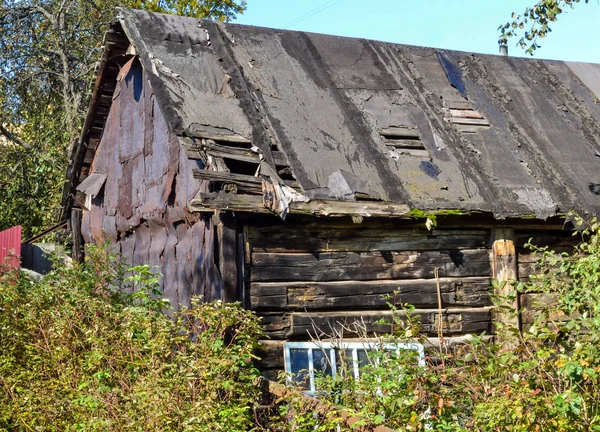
<point x="77" y="355"/>
<point x="49" y="51"/>
<point x="89" y="349"/>
<point x="545" y="378"/>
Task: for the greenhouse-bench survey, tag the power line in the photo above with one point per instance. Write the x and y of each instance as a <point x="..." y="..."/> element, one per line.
<point x="312" y="12"/>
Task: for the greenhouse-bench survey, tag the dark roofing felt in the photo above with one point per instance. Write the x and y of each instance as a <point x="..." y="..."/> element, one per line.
<point x="325" y="100"/>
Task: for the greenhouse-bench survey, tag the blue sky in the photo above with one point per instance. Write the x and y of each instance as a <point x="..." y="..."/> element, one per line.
<point x="466" y="25"/>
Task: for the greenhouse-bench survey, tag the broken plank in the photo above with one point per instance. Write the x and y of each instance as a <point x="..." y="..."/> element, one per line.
<point x="246" y="203"/>
<point x="399" y="132"/>
<point x="331" y="266"/>
<point x="404" y="144"/>
<point x="227" y="177"/>
<point x="355" y="295"/>
<point x="234" y="138"/>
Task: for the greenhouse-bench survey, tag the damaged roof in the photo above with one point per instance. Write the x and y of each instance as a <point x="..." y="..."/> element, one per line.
<point x="357" y="119"/>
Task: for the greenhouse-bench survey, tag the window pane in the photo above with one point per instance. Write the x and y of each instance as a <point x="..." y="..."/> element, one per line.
<point x="299" y="366"/>
<point x="321" y="362"/>
<point x="363" y="357"/>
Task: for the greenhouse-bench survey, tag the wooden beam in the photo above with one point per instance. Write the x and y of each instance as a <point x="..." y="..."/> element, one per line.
<point x="227" y="253"/>
<point x="78" y="242"/>
<point x="254" y="204"/>
<point x="505" y="269"/>
<point x="470" y="121"/>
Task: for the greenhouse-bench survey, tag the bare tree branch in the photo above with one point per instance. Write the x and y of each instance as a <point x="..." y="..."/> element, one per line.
<point x="15" y="139"/>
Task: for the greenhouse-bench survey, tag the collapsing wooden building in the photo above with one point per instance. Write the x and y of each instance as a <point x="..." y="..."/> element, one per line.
<point x="307" y="176"/>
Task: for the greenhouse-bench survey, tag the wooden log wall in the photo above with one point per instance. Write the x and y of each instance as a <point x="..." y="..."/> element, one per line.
<point x="320" y="277"/>
<point x="559" y="242"/>
<point x="142" y="206"/>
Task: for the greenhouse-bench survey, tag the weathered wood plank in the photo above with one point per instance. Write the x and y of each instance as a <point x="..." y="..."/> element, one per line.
<point x="455" y="321"/>
<point x="470" y="121"/>
<point x="248" y="203"/>
<point x="227" y="244"/>
<point x="227" y="177"/>
<point x="400" y="132"/>
<point x="462" y="113"/>
<point x="504" y="269"/>
<point x="404" y="144"/>
<point x="353" y="295"/>
<point x="368" y="265"/>
<point x="286" y="239"/>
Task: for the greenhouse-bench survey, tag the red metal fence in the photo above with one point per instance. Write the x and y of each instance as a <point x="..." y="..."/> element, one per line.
<point x="10" y="246"/>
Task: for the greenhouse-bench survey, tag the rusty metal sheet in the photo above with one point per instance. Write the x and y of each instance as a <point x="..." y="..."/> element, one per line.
<point x="10" y="246"/>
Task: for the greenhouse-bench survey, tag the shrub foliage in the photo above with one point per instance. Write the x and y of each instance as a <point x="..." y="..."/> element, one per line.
<point x="544" y="377"/>
<point x="75" y="355"/>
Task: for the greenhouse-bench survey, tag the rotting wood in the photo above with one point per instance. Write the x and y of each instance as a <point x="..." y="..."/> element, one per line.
<point x="400" y="132"/>
<point x="218" y="201"/>
<point x="279" y="391"/>
<point x="331" y="266"/>
<point x="472" y="128"/>
<point x="78" y="242"/>
<point x="280" y="239"/>
<point x="227" y="243"/>
<point x="504" y="270"/>
<point x="470" y="121"/>
<point x="234" y="138"/>
<point x="197" y="151"/>
<point x="466" y="114"/>
<point x="227" y="177"/>
<point x="456" y="321"/>
<point x="458" y="105"/>
<point x="404" y="144"/>
<point x="353" y="295"/>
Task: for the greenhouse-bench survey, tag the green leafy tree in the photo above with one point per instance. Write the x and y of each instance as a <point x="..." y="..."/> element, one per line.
<point x="534" y="23"/>
<point x="48" y="55"/>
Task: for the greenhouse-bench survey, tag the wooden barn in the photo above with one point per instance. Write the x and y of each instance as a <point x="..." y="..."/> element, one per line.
<point x="307" y="176"/>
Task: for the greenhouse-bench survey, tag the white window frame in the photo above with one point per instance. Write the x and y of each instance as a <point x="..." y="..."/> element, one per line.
<point x="331" y="347"/>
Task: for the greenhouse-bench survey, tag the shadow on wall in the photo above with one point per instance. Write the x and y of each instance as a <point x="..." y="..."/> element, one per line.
<point x="38" y="257"/>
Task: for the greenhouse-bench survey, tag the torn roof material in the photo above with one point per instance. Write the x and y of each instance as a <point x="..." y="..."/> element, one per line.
<point x="509" y="136"/>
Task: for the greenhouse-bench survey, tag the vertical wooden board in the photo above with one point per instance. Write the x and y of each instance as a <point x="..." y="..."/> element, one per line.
<point x="131" y="143"/>
<point x="148" y="118"/>
<point x="227" y="241"/>
<point x="185" y="262"/>
<point x="170" y="267"/>
<point x="86" y="230"/>
<point x="142" y="245"/>
<point x="504" y="269"/>
<point x="78" y="254"/>
<point x="158" y="240"/>
<point x="198" y="270"/>
<point x="96" y="216"/>
<point x="127" y="246"/>
<point x="213" y="283"/>
<point x="125" y="207"/>
<point x="138" y="184"/>
<point x="109" y="227"/>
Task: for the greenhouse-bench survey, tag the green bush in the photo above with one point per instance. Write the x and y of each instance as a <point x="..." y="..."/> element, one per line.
<point x="78" y="355"/>
<point x="543" y="378"/>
